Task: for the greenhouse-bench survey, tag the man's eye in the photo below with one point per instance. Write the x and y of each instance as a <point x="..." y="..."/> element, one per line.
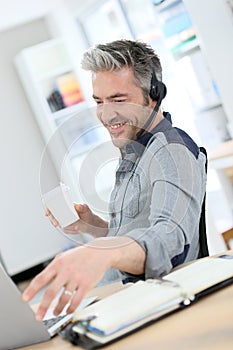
<point x="120" y="101"/>
<point x="98" y="102"/>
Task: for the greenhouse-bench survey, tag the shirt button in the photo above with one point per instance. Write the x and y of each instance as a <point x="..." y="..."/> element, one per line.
<point x="113" y="215"/>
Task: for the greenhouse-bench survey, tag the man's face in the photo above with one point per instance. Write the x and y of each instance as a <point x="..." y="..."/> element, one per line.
<point x="120" y="105"/>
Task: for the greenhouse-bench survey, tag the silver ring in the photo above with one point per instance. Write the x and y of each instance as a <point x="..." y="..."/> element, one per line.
<point x="68" y="292"/>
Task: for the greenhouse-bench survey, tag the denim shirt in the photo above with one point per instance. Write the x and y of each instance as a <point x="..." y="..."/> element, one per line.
<point x="157" y="198"/>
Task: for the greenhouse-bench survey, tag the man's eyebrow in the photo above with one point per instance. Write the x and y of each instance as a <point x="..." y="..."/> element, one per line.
<point x="111" y="96"/>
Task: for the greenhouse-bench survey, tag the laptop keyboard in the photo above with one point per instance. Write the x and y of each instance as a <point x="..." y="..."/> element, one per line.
<point x="52" y="321"/>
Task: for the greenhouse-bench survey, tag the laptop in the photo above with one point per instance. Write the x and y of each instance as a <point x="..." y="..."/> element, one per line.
<point x="18" y="326"/>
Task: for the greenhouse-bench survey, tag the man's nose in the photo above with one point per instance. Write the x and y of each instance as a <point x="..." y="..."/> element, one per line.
<point x="106" y="112"/>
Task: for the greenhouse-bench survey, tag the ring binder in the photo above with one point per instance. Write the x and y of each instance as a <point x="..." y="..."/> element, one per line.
<point x="147" y="301"/>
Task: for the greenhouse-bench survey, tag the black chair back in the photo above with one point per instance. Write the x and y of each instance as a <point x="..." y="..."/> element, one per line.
<point x="203" y="249"/>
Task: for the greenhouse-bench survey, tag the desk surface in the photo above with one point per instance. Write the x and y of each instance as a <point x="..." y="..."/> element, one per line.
<point x="206" y="325"/>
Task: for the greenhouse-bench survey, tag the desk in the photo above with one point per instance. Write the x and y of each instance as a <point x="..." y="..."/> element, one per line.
<point x="206" y="325"/>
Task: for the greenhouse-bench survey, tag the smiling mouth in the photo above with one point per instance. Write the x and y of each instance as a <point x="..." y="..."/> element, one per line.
<point x="117" y="125"/>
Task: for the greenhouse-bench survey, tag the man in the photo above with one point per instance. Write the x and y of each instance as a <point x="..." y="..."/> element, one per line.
<point x="156" y="203"/>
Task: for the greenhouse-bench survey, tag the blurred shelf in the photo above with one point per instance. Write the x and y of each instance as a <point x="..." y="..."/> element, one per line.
<point x="166" y="4"/>
<point x="222" y="156"/>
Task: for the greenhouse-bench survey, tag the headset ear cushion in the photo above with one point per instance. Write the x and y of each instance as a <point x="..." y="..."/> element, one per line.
<point x="158" y="90"/>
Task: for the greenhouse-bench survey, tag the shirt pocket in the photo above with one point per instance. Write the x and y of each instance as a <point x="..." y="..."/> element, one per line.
<point x="131" y="205"/>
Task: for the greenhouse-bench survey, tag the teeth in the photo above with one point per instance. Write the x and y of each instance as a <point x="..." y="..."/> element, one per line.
<point x="118" y="125"/>
<point x="115" y="126"/>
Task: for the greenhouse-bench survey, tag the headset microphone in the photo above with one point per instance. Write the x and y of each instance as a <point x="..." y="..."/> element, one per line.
<point x="158" y="91"/>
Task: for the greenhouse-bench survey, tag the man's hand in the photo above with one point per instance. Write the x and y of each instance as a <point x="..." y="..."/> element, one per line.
<point x="80" y="269"/>
<point x="88" y="222"/>
<point x="77" y="270"/>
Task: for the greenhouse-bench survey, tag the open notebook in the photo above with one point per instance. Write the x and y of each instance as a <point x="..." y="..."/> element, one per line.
<point x="146" y="301"/>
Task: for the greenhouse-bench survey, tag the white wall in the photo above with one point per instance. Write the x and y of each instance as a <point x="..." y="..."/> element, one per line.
<point x="26" y="236"/>
<point x="16" y="12"/>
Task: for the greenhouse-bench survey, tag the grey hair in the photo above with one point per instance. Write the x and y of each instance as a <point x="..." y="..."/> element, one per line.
<point x="125" y="53"/>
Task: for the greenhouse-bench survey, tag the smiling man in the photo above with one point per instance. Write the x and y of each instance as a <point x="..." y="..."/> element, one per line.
<point x="155" y="206"/>
<point x="112" y="89"/>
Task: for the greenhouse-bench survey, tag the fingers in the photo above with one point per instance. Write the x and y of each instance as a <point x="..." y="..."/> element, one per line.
<point x="81" y="208"/>
<point x="48" y="297"/>
<point x="76" y="300"/>
<point x="69" y="296"/>
<point x="73" y="228"/>
<point x="78" y="207"/>
<point x="65" y="298"/>
<point x="47" y="212"/>
<point x="71" y="270"/>
<point x="38" y="283"/>
<point x="54" y="222"/>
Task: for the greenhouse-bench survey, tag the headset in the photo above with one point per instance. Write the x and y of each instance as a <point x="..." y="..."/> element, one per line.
<point x="158" y="91"/>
